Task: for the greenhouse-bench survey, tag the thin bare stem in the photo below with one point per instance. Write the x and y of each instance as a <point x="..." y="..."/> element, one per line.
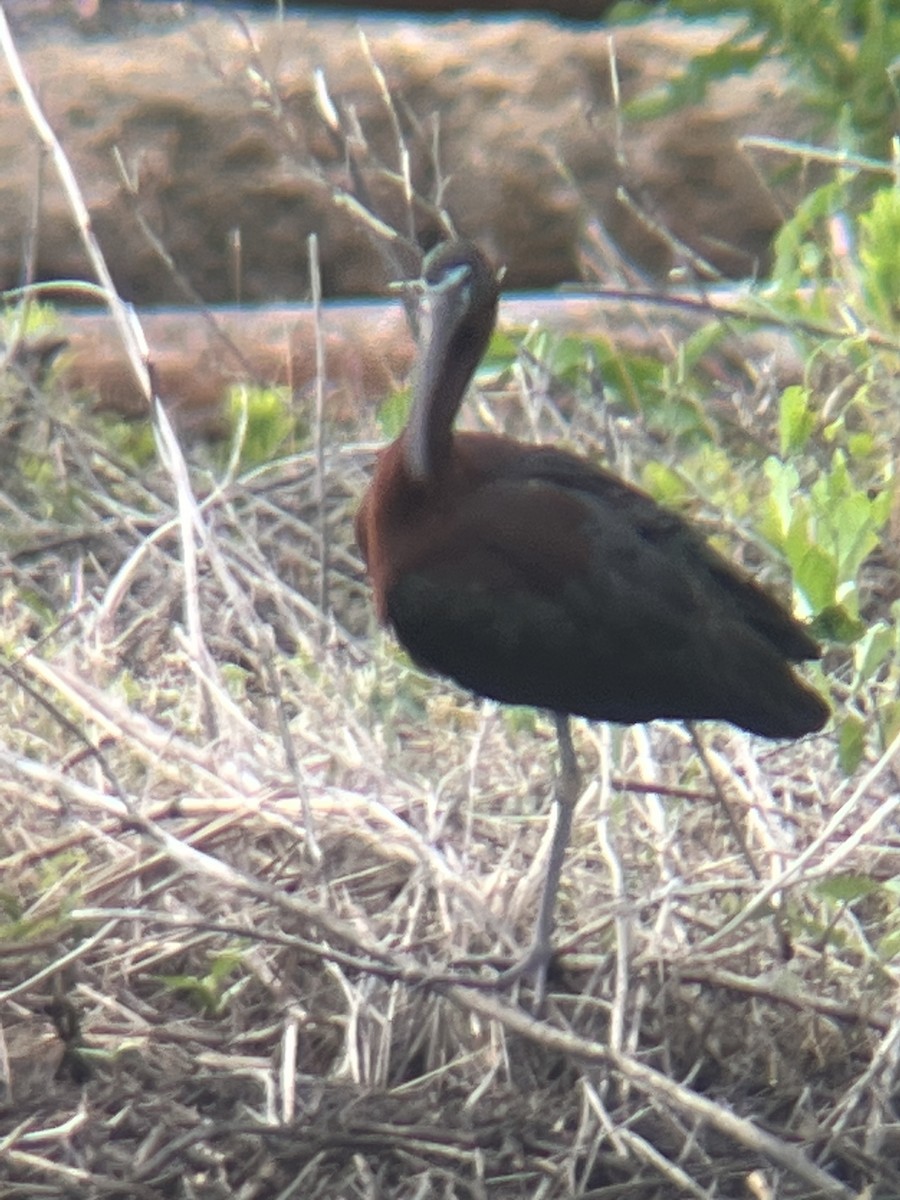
<point x="319" y="423"/>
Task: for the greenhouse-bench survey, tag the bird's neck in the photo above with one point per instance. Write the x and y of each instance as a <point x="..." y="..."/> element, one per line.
<point x="445" y="372"/>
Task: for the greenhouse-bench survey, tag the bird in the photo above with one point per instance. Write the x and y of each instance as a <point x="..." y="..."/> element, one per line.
<point x="533" y="576"/>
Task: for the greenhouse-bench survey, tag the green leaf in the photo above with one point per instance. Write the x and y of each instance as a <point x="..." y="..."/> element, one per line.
<point x="699" y="344"/>
<point x="836" y="624"/>
<point x="816" y="576"/>
<point x="889" y="722"/>
<point x="264" y="419"/>
<point x="568" y="359"/>
<point x="796" y="420"/>
<point x="784" y="483"/>
<point x="664" y="484"/>
<point x="851" y="743"/>
<point x="797" y="257"/>
<point x="225" y="964"/>
<point x="879" y="254"/>
<point x="872" y="651"/>
<point x="853" y="532"/>
<point x="502" y="351"/>
<point x="847" y="888"/>
<point x="133" y="440"/>
<point x="638" y="382"/>
<point x="393" y="413"/>
<point x="691" y="86"/>
<point x="861" y="445"/>
<point x="197" y="991"/>
<point x="889" y="946"/>
<point x="29" y="320"/>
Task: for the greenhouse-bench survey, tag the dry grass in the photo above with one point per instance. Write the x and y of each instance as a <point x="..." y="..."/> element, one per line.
<point x="258" y="874"/>
<point x="245" y="845"/>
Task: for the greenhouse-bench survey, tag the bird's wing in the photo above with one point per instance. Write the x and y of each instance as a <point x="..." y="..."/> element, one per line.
<point x="556" y="585"/>
<point x="605" y="494"/>
<point x="527" y="552"/>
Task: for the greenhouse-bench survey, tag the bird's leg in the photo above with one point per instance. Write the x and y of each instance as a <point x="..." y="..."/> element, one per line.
<point x="566" y="792"/>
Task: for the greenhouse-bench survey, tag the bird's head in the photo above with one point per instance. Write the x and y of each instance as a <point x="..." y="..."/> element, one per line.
<point x="460" y="286"/>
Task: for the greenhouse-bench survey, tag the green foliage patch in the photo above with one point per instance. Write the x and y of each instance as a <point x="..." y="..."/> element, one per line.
<point x="264" y="425"/>
<point x="843" y="53"/>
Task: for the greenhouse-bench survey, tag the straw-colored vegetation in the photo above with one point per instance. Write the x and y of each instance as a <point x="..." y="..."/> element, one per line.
<point x="254" y="864"/>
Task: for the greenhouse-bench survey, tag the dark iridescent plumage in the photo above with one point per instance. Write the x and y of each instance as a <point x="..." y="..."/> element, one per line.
<point x="532" y="576"/>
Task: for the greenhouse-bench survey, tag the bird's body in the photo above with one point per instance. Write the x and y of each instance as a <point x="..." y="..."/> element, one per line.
<point x="532" y="576"/>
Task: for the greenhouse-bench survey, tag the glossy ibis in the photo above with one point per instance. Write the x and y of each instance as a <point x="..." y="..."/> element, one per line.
<point x="532" y="576"/>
